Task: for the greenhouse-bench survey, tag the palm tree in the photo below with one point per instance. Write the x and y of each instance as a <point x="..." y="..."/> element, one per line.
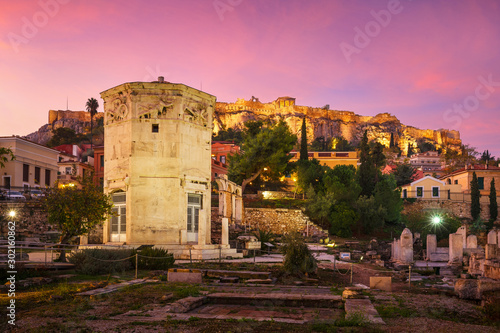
<point x="91" y="107"/>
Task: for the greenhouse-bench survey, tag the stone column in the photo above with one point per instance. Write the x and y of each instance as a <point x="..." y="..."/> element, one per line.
<point x="472" y="242"/>
<point x="431" y="245"/>
<point x="463" y="231"/>
<point x="492" y="237"/>
<point x="238" y="209"/>
<point x="406" y="246"/>
<point x="456" y="249"/>
<point x="225" y="231"/>
<point x="202" y="227"/>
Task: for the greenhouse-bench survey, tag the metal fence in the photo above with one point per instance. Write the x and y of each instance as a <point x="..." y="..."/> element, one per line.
<point x="446" y="195"/>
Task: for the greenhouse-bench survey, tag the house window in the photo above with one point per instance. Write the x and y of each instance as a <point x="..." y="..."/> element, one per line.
<point x="456" y="181"/>
<point x="480" y="182"/>
<point x="449" y="181"/>
<point x="435" y="192"/>
<point x="26" y="173"/>
<point x="37" y="175"/>
<point x="223" y="159"/>
<point x="68" y="170"/>
<point x="155" y="128"/>
<point x="420" y="192"/>
<point x="405" y="193"/>
<point x="102" y="160"/>
<point x="47" y="177"/>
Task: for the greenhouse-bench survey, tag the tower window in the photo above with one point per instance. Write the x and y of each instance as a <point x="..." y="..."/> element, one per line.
<point x="155" y="128"/>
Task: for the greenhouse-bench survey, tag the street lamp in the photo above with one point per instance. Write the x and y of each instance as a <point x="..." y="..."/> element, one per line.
<point x="12" y="213"/>
<point x="436" y="220"/>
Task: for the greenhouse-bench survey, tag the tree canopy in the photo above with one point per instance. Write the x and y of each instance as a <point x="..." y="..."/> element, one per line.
<point x="265" y="150"/>
<point x="91" y="107"/>
<point x="304" y="156"/>
<point x="75" y="210"/>
<point x="475" y="195"/>
<point x="65" y="135"/>
<point x="6" y="155"/>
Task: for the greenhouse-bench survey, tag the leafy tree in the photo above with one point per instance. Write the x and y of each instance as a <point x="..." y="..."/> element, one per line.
<point x="319" y="206"/>
<point x="319" y="144"/>
<point x="309" y="173"/>
<point x="63" y="136"/>
<point x="229" y="135"/>
<point x="388" y="196"/>
<point x="458" y="159"/>
<point x="371" y="214"/>
<point x="263" y="147"/>
<point x="493" y="204"/>
<point x="367" y="171"/>
<point x="404" y="174"/>
<point x="6" y="155"/>
<point x="76" y="210"/>
<point x="425" y="146"/>
<point x="303" y="142"/>
<point x="341" y="183"/>
<point x="298" y="259"/>
<point x="475" y="196"/>
<point x="343" y="218"/>
<point x="338" y="143"/>
<point x="91" y="107"/>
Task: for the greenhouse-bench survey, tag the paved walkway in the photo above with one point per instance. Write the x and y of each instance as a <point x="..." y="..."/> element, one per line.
<point x="364" y="308"/>
<point x="114" y="287"/>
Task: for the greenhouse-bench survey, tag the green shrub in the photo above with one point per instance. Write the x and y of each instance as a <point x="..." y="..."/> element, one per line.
<point x="154" y="258"/>
<point x="265" y="237"/>
<point x="298" y="258"/>
<point x="101" y="261"/>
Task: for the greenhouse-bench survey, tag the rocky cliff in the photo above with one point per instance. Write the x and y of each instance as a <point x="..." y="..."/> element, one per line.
<point x="321" y="122"/>
<point x="331" y="123"/>
<point x="79" y="121"/>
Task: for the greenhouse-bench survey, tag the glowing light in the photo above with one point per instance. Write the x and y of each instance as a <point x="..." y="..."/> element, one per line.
<point x="12" y="213"/>
<point x="266" y="194"/>
<point x="436" y="220"/>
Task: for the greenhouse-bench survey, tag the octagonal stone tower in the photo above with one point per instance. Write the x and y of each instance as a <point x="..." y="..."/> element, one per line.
<point x="157" y="153"/>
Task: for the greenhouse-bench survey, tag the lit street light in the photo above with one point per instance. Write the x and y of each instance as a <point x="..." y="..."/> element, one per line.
<point x="436" y="220"/>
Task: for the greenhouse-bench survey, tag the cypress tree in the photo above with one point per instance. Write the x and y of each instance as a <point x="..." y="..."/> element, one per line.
<point x="367" y="171"/>
<point x="303" y="142"/>
<point x="475" y="196"/>
<point x="391" y="143"/>
<point x="410" y="150"/>
<point x="493" y="202"/>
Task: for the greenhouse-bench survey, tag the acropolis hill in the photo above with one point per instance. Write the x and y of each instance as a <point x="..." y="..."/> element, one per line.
<point x="320" y="122"/>
<point x="330" y="123"/>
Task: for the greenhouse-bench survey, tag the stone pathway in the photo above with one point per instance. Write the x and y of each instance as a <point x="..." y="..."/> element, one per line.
<point x="114" y="287"/>
<point x="363" y="307"/>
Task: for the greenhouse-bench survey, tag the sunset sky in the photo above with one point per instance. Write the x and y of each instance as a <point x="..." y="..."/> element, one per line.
<point x="433" y="64"/>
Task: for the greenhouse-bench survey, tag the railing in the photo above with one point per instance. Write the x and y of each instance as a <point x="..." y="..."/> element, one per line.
<point x="442" y="195"/>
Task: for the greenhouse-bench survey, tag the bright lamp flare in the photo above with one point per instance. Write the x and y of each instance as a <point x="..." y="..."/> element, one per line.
<point x="436" y="220"/>
<point x="12" y="213"/>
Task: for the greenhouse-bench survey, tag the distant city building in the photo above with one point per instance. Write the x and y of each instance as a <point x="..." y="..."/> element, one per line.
<point x="70" y="172"/>
<point x="99" y="165"/>
<point x="428" y="161"/>
<point x="430" y="188"/>
<point x="330" y="158"/>
<point x="221" y="150"/>
<point x="484" y="174"/>
<point x="35" y="166"/>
